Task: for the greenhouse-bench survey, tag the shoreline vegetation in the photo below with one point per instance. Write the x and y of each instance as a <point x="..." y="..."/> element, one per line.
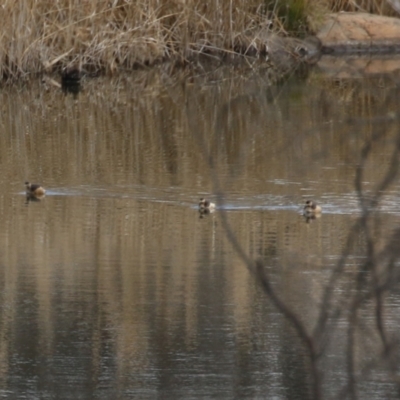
<point x="104" y="36"/>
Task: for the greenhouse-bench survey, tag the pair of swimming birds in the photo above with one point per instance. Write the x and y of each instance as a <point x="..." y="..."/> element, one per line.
<point x="34" y="190"/>
<point x="311" y="208"/>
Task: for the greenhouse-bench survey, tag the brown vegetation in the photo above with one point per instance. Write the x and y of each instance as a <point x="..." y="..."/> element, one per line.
<point x="44" y="34"/>
<point x="105" y="35"/>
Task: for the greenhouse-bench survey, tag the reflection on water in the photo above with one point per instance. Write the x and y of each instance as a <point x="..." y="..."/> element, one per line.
<point x="113" y="286"/>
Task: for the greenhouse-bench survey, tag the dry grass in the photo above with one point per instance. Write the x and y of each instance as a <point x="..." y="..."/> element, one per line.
<point x="105" y="35"/>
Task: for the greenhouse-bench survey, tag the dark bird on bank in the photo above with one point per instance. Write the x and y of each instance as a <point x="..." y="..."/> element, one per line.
<point x="71" y="76"/>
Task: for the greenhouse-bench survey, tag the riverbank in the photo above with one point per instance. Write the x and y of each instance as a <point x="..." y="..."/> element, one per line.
<point x="104" y="37"/>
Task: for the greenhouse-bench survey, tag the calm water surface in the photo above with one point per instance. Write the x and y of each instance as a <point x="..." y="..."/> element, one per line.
<point x="114" y="287"/>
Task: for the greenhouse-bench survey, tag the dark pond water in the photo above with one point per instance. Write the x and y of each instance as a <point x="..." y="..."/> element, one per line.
<point x="113" y="286"/>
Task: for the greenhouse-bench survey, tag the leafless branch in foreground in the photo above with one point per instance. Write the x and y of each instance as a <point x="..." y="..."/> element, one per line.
<point x="374" y="279"/>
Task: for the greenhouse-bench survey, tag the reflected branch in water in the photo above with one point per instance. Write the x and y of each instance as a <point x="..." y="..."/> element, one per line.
<point x="296" y="321"/>
<point x="370" y="282"/>
<point x="256" y="268"/>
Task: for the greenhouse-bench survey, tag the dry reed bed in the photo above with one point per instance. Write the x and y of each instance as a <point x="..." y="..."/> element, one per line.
<point x="48" y="35"/>
<point x="103" y="34"/>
